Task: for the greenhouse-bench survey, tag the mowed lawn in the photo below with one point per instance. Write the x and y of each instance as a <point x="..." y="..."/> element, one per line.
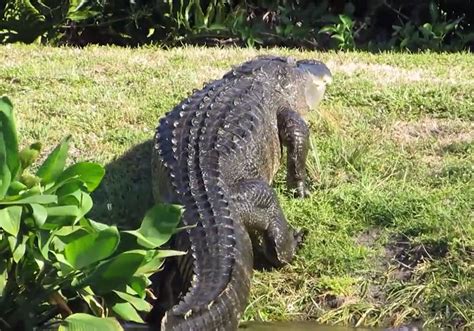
<point x="390" y="217"/>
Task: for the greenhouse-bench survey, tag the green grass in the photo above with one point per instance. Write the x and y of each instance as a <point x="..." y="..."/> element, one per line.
<point x="391" y="231"/>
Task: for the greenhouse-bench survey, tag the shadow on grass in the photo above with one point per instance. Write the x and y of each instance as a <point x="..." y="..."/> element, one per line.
<point x="125" y="193"/>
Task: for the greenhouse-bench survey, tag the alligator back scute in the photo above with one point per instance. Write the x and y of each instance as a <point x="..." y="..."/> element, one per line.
<point x="206" y="151"/>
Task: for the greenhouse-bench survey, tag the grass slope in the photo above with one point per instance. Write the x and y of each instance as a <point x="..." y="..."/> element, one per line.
<point x="391" y="233"/>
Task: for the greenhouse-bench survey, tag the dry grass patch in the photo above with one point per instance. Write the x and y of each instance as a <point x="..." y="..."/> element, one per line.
<point x="380" y="73"/>
<point x="444" y="131"/>
<point x="430" y="139"/>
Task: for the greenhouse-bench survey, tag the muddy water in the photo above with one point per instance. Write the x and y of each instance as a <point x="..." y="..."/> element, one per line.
<point x="285" y="326"/>
<point x="311" y="326"/>
<point x="294" y="326"/>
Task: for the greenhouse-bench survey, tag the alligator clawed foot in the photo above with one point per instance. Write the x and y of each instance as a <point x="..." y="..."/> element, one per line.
<point x="300" y="191"/>
<point x="304" y="193"/>
<point x="299" y="237"/>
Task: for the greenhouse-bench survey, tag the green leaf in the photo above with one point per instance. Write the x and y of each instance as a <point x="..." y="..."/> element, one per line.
<point x="217" y="27"/>
<point x="404" y="42"/>
<point x="138" y="303"/>
<point x="62" y="263"/>
<point x="19" y="252"/>
<point x="89" y="173"/>
<point x="18" y="247"/>
<point x="16" y="187"/>
<point x="450" y="26"/>
<point x="8" y="144"/>
<point x="67" y="234"/>
<point x="116" y="272"/>
<point x="151" y="264"/>
<point x="158" y="225"/>
<point x="198" y="15"/>
<point x="338" y="37"/>
<point x="434" y="11"/>
<point x="29" y="154"/>
<point x="43" y="199"/>
<point x="54" y="163"/>
<point x="82" y="15"/>
<point x="3" y="280"/>
<point x="92" y="225"/>
<point x="67" y="187"/>
<point x="139" y="285"/>
<point x="187" y="15"/>
<point x="126" y="311"/>
<point x="10" y="219"/>
<point x="44" y="239"/>
<point x="92" y="248"/>
<point x="427" y="27"/>
<point x="220" y="16"/>
<point x="82" y="200"/>
<point x="141" y="239"/>
<point x="327" y="28"/>
<point x="162" y="253"/>
<point x="347" y="21"/>
<point x="5" y="174"/>
<point x="30" y="180"/>
<point x="60" y="216"/>
<point x="82" y="4"/>
<point x="85" y="322"/>
<point x="39" y="214"/>
<point x="68" y="210"/>
<point x="94" y="303"/>
<point x="154" y="261"/>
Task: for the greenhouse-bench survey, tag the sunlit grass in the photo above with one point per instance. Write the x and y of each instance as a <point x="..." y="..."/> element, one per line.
<point x="391" y="234"/>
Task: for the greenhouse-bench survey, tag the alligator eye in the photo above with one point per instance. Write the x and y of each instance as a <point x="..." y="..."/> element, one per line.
<point x="316" y="68"/>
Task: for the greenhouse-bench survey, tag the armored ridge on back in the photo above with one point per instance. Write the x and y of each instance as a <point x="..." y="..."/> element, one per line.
<point x="216" y="154"/>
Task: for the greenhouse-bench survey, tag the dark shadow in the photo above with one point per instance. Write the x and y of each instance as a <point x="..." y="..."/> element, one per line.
<point x="125" y="193"/>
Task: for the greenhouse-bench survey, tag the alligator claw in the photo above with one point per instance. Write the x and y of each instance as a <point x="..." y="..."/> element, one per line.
<point x="300" y="191"/>
<point x="304" y="193"/>
<point x="299" y="237"/>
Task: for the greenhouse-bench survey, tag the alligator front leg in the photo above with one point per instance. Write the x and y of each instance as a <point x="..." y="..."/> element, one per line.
<point x="294" y="134"/>
<point x="261" y="213"/>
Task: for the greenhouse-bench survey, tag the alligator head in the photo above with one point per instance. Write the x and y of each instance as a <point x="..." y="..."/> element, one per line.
<point x="316" y="75"/>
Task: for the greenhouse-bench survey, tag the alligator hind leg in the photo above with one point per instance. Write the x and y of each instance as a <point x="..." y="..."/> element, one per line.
<point x="262" y="215"/>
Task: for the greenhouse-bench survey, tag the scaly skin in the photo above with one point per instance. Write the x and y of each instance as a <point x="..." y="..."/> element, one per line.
<point x="216" y="154"/>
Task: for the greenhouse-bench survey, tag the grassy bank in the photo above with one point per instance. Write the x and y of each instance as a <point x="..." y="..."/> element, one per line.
<point x="391" y="233"/>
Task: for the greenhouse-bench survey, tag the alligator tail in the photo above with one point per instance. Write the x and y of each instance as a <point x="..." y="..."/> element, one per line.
<point x="224" y="310"/>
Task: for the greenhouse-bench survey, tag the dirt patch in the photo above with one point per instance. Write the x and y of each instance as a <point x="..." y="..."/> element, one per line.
<point x="380" y="73"/>
<point x="405" y="256"/>
<point x="368" y="237"/>
<point x="384" y="74"/>
<point x="433" y="138"/>
<point x="443" y="130"/>
<point x="433" y="161"/>
<point x="399" y="258"/>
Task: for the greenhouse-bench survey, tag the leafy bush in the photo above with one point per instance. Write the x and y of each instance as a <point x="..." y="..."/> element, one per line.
<point x="54" y="261"/>
<point x="28" y="20"/>
<point x="342" y="32"/>
<point x="373" y="25"/>
<point x="429" y="35"/>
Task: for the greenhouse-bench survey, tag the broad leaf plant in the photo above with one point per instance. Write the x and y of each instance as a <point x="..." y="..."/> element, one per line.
<point x="58" y="268"/>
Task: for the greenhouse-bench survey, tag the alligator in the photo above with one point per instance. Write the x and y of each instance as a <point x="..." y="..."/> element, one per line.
<point x="216" y="154"/>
